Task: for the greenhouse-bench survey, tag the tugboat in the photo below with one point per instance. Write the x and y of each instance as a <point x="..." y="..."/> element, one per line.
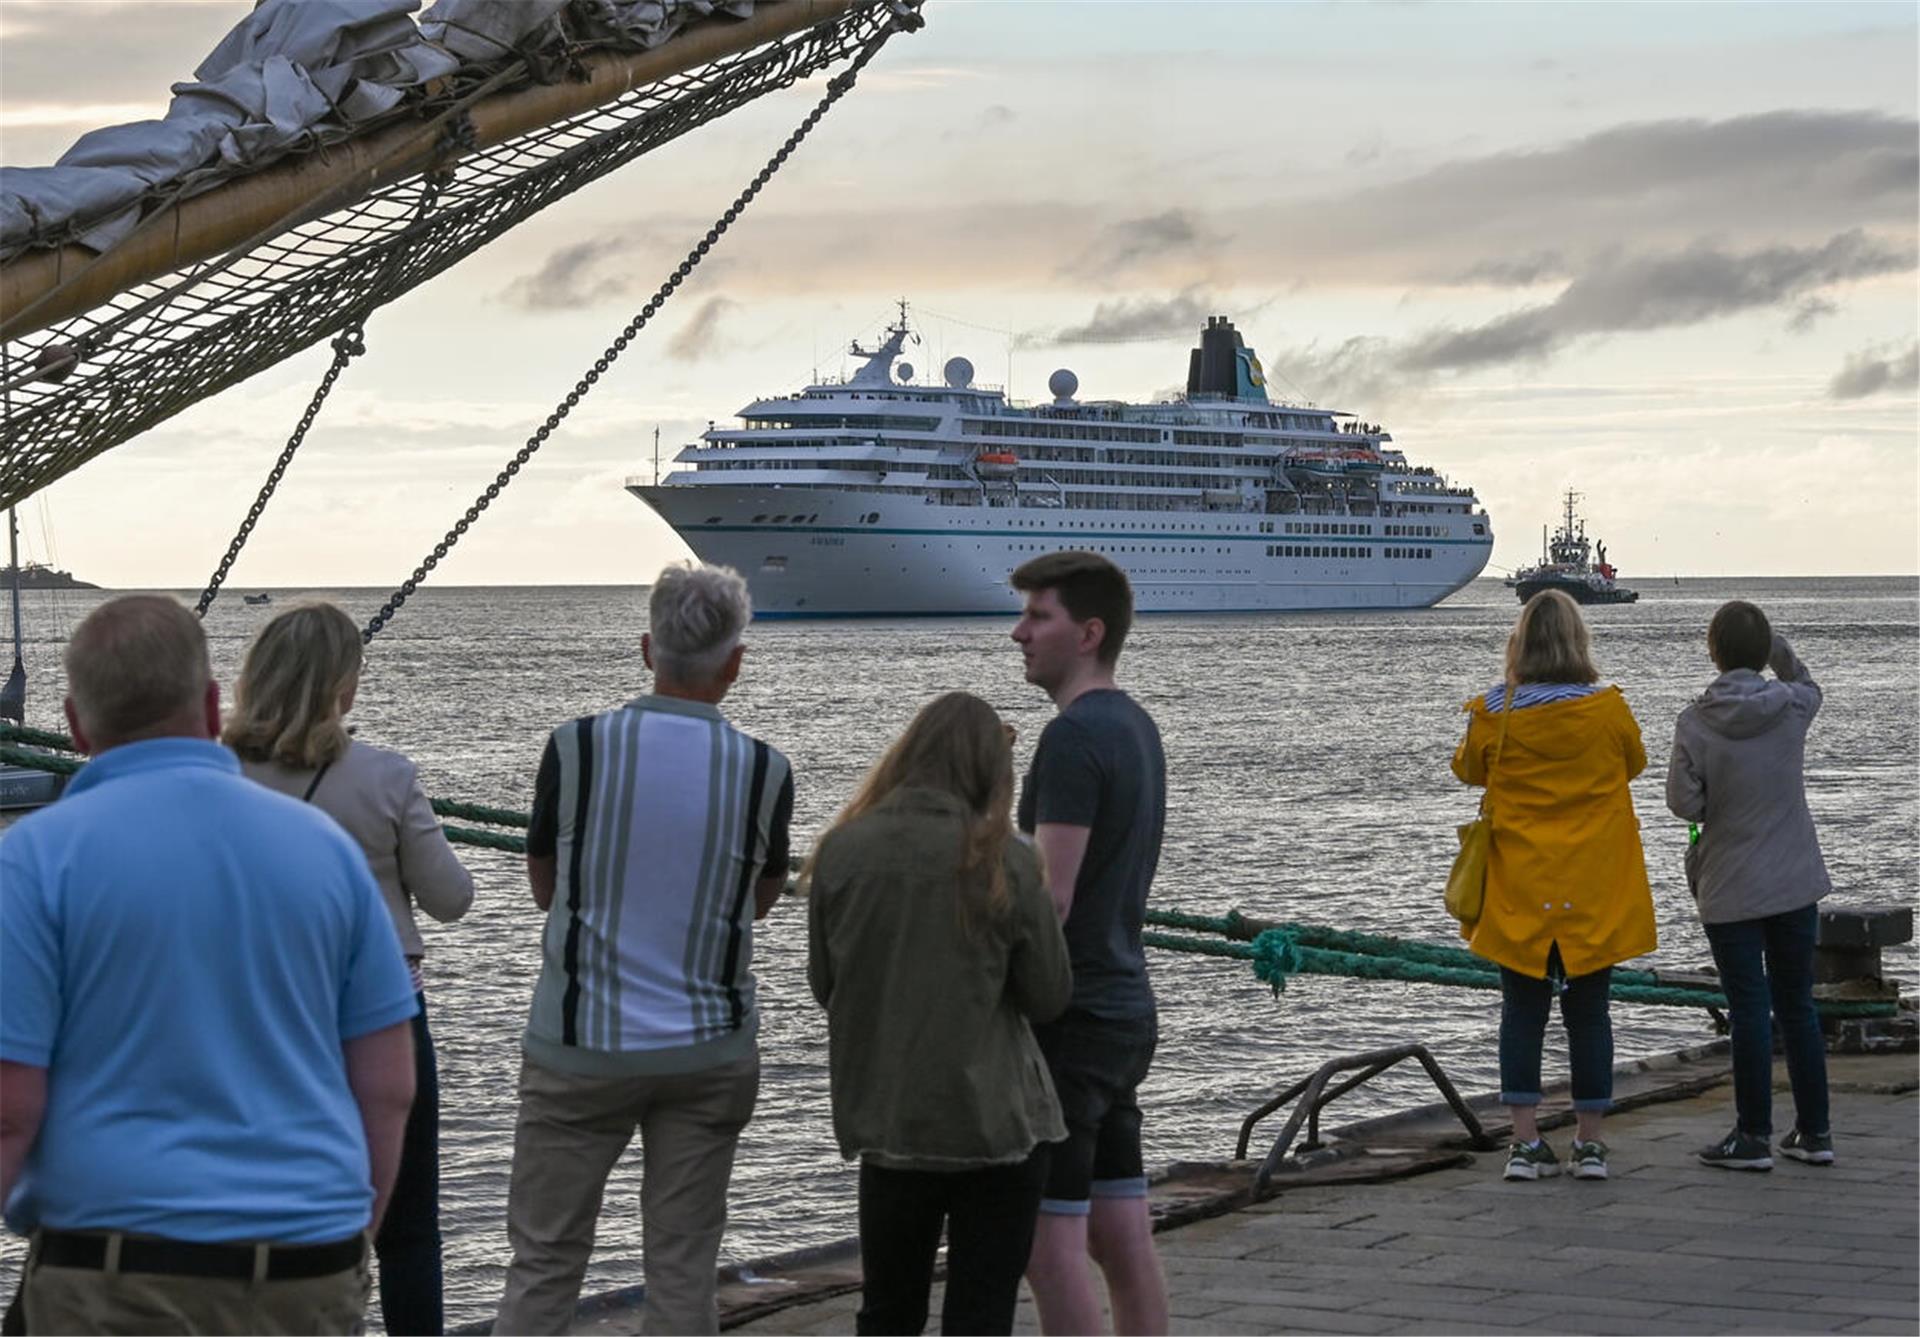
<point x="1565" y="566"/>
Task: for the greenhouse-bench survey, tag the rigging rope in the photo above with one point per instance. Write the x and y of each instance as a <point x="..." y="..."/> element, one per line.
<point x="837" y="87"/>
<point x="82" y="384"/>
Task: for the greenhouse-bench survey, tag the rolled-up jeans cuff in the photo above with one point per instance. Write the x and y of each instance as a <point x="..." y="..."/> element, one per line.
<point x="1519" y="1097"/>
<point x="1601" y="1103"/>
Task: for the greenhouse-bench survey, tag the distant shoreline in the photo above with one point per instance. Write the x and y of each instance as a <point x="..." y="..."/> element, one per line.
<point x="43" y="578"/>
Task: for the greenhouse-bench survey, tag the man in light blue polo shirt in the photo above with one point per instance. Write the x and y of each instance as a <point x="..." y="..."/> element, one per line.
<point x="205" y="1057"/>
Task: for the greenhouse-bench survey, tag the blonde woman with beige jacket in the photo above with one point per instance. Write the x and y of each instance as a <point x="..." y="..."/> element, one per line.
<point x="300" y="678"/>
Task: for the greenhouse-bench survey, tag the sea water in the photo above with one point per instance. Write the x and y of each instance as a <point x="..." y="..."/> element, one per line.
<point x="1307" y="780"/>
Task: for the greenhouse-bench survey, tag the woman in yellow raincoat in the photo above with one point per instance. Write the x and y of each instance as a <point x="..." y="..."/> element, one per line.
<point x="1567" y="895"/>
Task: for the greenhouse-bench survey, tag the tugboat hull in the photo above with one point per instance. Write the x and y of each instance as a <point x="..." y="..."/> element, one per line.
<point x="1577" y="590"/>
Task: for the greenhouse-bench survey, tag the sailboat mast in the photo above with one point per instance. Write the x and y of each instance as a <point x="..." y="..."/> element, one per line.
<point x="13" y="565"/>
<point x="13" y="696"/>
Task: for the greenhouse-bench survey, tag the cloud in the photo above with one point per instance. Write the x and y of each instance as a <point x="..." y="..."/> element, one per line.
<point x="572" y="276"/>
<point x="1622" y="294"/>
<point x="1647" y="292"/>
<point x="1359" y="371"/>
<point x="1677" y="188"/>
<point x="1132" y="241"/>
<point x="700" y="336"/>
<point x="1370" y="149"/>
<point x="131" y="49"/>
<point x="1873" y="371"/>
<point x="77" y="116"/>
<point x="1521" y="271"/>
<point x="1139" y="318"/>
<point x="1819" y="169"/>
<point x="1810" y="312"/>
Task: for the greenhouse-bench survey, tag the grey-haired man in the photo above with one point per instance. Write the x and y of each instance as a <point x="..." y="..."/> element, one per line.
<point x="659" y="834"/>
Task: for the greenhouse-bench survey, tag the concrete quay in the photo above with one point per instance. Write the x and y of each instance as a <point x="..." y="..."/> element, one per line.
<point x="1666" y="1245"/>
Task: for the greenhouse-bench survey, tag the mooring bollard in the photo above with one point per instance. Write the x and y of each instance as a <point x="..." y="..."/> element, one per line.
<point x="1847" y="948"/>
<point x="1846" y="966"/>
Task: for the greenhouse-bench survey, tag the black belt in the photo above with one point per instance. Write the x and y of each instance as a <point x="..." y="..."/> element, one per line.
<point x="186" y="1258"/>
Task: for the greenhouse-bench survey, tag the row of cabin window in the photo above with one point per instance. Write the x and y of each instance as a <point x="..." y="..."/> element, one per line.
<point x="1315" y="550"/>
<point x="1340" y="550"/>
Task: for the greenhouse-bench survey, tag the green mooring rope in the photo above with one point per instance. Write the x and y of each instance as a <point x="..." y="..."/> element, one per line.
<point x="474" y="812"/>
<point x="1236" y="925"/>
<point x="20" y="733"/>
<point x="39" y="761"/>
<point x="34" y="758"/>
<point x="490" y="840"/>
<point x="1278" y="954"/>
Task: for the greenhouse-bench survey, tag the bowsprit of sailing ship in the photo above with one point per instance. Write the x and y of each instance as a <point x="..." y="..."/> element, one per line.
<point x="328" y="159"/>
<point x="887" y="494"/>
<point x="1572" y="565"/>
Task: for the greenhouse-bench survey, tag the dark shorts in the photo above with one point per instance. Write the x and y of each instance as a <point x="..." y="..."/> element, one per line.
<point x="1097" y="1063"/>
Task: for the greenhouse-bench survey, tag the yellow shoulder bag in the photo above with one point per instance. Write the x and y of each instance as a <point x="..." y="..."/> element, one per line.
<point x="1467" y="880"/>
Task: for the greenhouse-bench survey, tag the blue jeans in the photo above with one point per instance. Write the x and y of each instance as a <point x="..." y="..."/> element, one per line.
<point x="1524" y="1005"/>
<point x="408" y="1245"/>
<point x="1766" y="969"/>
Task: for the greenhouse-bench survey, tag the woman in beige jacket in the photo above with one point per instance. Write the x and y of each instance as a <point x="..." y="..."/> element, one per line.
<point x="299" y="679"/>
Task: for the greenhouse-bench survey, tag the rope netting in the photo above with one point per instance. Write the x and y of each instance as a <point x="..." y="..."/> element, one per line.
<point x="88" y="383"/>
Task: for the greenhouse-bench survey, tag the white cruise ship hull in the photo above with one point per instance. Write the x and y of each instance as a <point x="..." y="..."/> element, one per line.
<point x="818" y="552"/>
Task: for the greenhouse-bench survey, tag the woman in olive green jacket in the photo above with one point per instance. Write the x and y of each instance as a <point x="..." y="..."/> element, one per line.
<point x="932" y="945"/>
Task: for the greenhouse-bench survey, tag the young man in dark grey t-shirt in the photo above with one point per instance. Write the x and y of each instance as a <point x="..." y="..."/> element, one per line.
<point x="1095" y="802"/>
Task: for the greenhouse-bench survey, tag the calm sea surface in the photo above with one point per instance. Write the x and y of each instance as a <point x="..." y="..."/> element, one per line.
<point x="1307" y="770"/>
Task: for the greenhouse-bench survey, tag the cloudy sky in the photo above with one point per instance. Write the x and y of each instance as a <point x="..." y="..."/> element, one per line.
<point x="1662" y="254"/>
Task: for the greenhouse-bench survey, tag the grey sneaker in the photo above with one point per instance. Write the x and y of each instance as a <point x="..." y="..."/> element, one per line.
<point x="1737" y="1151"/>
<point x="1813" y="1148"/>
<point x="1535" y="1161"/>
<point x="1589" y="1159"/>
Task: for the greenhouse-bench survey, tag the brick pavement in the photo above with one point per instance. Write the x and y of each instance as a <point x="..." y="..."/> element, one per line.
<point x="1665" y="1246"/>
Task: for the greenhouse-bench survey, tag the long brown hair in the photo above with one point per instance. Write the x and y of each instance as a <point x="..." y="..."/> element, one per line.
<point x="1550" y="643"/>
<point x="956" y="744"/>
<point x="286" y="703"/>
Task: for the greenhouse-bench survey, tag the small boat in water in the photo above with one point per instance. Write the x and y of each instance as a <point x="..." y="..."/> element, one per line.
<point x="257" y="599"/>
<point x="1573" y="565"/>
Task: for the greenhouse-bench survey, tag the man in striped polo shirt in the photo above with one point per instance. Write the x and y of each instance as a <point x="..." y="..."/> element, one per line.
<point x="659" y="834"/>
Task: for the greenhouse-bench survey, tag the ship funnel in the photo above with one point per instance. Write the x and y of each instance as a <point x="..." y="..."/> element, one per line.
<point x="1224" y="366"/>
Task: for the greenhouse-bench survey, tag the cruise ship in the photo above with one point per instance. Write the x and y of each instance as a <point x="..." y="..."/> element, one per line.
<point x="889" y="495"/>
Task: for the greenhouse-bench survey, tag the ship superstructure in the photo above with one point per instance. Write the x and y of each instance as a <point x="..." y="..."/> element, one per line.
<point x="884" y="495"/>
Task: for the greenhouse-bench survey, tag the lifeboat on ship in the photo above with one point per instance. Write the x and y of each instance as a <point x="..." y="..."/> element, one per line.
<point x="997" y="463"/>
<point x="1319" y="465"/>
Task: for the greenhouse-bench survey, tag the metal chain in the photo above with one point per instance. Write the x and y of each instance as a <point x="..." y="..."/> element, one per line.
<point x="350" y="343"/>
<point x="837" y="87"/>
